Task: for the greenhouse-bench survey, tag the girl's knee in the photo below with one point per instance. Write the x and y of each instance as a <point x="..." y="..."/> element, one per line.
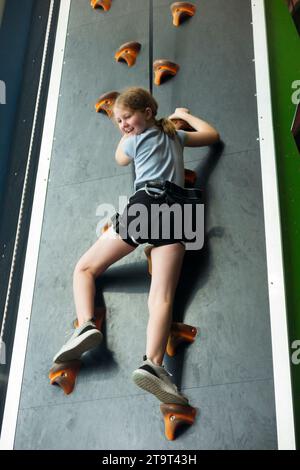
<point x="84" y="267"/>
<point x="81" y="266"/>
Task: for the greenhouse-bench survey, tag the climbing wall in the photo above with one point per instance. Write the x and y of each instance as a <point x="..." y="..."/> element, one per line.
<point x="227" y="372"/>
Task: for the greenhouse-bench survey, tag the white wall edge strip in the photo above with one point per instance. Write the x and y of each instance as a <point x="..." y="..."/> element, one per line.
<point x="28" y="281"/>
<point x="278" y="314"/>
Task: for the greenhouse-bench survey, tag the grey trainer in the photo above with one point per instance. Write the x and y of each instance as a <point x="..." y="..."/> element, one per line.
<point x="156" y="380"/>
<point x="83" y="339"/>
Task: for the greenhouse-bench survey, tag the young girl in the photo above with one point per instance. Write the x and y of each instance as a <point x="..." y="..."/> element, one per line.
<point x="156" y="149"/>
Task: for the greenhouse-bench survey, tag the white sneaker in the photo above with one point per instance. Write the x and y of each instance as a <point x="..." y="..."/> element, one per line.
<point x="156" y="380"/>
<point x="83" y="339"/>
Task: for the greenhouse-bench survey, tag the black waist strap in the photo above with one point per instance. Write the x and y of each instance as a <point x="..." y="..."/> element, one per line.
<point x="151" y="184"/>
<point x="173" y="189"/>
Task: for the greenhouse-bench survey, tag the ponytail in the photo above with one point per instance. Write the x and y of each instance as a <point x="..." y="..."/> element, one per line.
<point x="167" y="126"/>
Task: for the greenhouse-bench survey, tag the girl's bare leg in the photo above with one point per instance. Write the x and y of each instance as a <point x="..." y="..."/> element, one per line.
<point x="108" y="249"/>
<point x="166" y="266"/>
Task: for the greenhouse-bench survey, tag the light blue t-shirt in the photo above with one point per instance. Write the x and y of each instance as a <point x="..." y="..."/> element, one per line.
<point x="156" y="155"/>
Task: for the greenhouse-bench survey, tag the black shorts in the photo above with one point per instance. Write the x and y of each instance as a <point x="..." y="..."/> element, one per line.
<point x="150" y="217"/>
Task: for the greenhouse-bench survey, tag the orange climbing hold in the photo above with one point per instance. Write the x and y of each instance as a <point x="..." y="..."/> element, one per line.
<point x="128" y="53"/>
<point x="106" y="102"/>
<point x="181" y="10"/>
<point x="64" y="375"/>
<point x="104" y="4"/>
<point x="162" y="69"/>
<point x="183" y="125"/>
<point x="175" y="416"/>
<point x="180" y="333"/>
<point x="190" y="178"/>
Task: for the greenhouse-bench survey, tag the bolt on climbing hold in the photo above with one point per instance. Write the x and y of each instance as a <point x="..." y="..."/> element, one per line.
<point x="128" y="53"/>
<point x="183" y="125"/>
<point x="190" y="178"/>
<point x="164" y="68"/>
<point x="106" y="103"/>
<point x="181" y="10"/>
<point x="104" y="4"/>
<point x="175" y="416"/>
<point x="64" y="375"/>
<point x="180" y="333"/>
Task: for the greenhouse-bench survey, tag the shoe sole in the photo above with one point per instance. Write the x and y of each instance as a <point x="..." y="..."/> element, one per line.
<point x="152" y="384"/>
<point x="83" y="343"/>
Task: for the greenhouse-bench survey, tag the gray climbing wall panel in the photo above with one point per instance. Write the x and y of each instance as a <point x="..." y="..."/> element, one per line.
<point x="227" y="373"/>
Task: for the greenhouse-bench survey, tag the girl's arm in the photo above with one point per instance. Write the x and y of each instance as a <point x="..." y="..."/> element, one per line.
<point x="205" y="133"/>
<point x="120" y="156"/>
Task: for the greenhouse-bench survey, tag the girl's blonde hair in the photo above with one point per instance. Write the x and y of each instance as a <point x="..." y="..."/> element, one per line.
<point x="138" y="99"/>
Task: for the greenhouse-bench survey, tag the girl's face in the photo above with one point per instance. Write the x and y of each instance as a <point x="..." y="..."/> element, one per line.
<point x="133" y="122"/>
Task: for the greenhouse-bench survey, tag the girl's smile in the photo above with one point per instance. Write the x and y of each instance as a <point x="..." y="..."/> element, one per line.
<point x="133" y="122"/>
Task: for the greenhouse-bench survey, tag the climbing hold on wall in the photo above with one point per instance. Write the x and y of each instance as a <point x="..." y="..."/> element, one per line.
<point x="176" y="415"/>
<point x="128" y="53"/>
<point x="162" y="69"/>
<point x="106" y="102"/>
<point x="183" y="125"/>
<point x="104" y="4"/>
<point x="181" y="10"/>
<point x="190" y="178"/>
<point x="64" y="375"/>
<point x="180" y="333"/>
